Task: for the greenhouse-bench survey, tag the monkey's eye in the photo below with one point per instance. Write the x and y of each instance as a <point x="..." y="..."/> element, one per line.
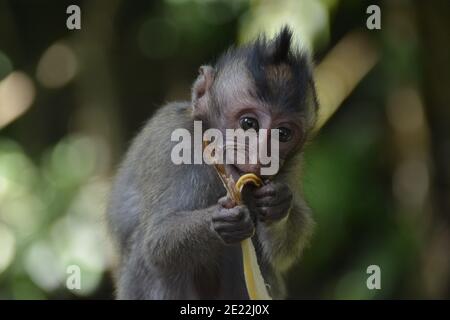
<point x="285" y="134"/>
<point x="249" y="123"/>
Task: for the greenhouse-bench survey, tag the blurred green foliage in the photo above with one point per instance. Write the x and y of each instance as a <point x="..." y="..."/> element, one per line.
<point x="54" y="210"/>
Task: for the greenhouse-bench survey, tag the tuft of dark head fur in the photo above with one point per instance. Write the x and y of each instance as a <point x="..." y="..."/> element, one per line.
<point x="281" y="47"/>
<point x="281" y="74"/>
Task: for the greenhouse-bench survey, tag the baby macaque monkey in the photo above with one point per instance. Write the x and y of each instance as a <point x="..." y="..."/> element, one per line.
<point x="177" y="232"/>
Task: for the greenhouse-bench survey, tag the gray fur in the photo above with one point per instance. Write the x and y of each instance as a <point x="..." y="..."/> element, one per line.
<point x="160" y="216"/>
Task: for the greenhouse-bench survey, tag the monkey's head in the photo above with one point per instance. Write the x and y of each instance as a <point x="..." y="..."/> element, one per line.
<point x="266" y="84"/>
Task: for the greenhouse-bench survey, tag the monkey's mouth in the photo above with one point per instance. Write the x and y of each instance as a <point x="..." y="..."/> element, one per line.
<point x="234" y="172"/>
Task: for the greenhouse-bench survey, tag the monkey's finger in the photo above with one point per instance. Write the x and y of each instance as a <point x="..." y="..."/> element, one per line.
<point x="226" y="202"/>
<point x="231" y="215"/>
<point x="229" y="226"/>
<point x="270" y="201"/>
<point x="264" y="191"/>
<point x="237" y="236"/>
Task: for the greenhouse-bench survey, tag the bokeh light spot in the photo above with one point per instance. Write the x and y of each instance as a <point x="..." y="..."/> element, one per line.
<point x="16" y="96"/>
<point x="43" y="266"/>
<point x="57" y="66"/>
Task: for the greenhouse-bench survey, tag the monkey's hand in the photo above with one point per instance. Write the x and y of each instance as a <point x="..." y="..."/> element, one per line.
<point x="271" y="202"/>
<point x="232" y="223"/>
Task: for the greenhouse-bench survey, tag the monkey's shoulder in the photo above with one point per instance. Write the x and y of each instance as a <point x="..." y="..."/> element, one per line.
<point x="150" y="152"/>
<point x="157" y="131"/>
<point x="150" y="168"/>
<point x="172" y="116"/>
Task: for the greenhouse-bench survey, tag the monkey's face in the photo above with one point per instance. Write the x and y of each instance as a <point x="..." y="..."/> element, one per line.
<point x="262" y="133"/>
<point x="258" y="88"/>
<point x="266" y="132"/>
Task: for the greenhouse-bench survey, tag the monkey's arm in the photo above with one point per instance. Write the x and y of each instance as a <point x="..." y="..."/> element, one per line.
<point x="283" y="241"/>
<point x="178" y="239"/>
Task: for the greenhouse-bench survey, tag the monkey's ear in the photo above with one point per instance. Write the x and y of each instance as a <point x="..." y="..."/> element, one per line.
<point x="202" y="85"/>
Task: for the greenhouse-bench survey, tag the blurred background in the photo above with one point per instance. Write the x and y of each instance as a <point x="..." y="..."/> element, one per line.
<point x="377" y="175"/>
